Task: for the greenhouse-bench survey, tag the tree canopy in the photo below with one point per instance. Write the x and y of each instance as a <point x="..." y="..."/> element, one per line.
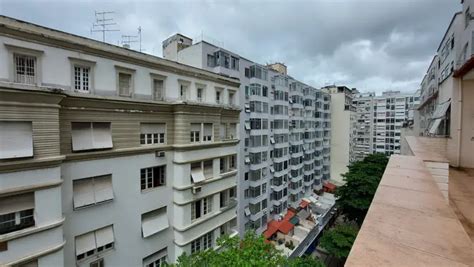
<point x="361" y="182"/>
<point x="252" y="250"/>
<point x="338" y="241"/>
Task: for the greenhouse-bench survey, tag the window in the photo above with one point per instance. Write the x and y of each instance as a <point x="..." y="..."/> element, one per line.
<point x="16" y="139"/>
<point x="211" y="61"/>
<point x="152" y="177"/>
<point x="207" y="133"/>
<point x="201" y="170"/>
<point x="25" y="69"/>
<point x="231" y="97"/>
<point x="154" y="222"/>
<point x="232" y="133"/>
<point x="225" y="197"/>
<point x="94" y="242"/>
<point x="16" y="212"/>
<point x="223" y="131"/>
<point x="97" y="263"/>
<point x="92" y="191"/>
<point x="234" y="63"/>
<point x="91" y="135"/>
<point x="218" y="96"/>
<point x="152" y="133"/>
<point x="228" y="163"/>
<point x="195" y="132"/>
<point x="81" y="78"/>
<point x="158" y="89"/>
<point x="202" y="243"/>
<point x="183" y="90"/>
<point x="157" y="259"/>
<point x="200" y="94"/>
<point x="201" y="207"/>
<point x="125" y="84"/>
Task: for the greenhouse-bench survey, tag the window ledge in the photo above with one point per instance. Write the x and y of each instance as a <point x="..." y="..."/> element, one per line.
<point x="93" y="205"/>
<point x="30" y="230"/>
<point x="207" y="181"/>
<point x="206" y="218"/>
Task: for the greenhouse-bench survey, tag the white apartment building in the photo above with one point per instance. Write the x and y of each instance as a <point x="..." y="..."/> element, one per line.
<point x="285" y="128"/>
<point x="364" y="122"/>
<point x="391" y="111"/>
<point x="108" y="156"/>
<point x="342" y="130"/>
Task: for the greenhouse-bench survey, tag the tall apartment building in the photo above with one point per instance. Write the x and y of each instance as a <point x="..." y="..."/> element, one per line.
<point x="364" y="122"/>
<point x="379" y="121"/>
<point x="110" y="156"/>
<point x="285" y="128"/>
<point x="391" y="110"/>
<point x="342" y="130"/>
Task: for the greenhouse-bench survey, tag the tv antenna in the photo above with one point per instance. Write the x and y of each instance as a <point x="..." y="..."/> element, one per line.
<point x="127" y="40"/>
<point x="102" y="23"/>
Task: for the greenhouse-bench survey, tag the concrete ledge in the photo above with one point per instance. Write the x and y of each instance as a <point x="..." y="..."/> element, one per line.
<point x="409" y="222"/>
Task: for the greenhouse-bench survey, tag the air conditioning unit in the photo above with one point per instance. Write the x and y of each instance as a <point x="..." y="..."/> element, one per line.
<point x="196" y="189"/>
<point x="160" y="154"/>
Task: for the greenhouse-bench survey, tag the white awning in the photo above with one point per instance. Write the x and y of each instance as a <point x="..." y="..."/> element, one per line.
<point x="434" y="126"/>
<point x="441" y="109"/>
<point x="272" y="140"/>
<point x="16" y="203"/>
<point x="197" y="175"/>
<point x="247" y="211"/>
<point x="247" y="160"/>
<point x="154" y="222"/>
<point x="104" y="236"/>
<point x="85" y="243"/>
<point x="272" y="170"/>
<point x="247" y="125"/>
<point x="103" y="188"/>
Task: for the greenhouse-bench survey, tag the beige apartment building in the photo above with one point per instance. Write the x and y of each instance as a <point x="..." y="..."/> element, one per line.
<point x="422" y="213"/>
<point x="108" y="156"/>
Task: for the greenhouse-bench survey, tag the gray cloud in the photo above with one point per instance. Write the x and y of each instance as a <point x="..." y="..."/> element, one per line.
<point x="369" y="44"/>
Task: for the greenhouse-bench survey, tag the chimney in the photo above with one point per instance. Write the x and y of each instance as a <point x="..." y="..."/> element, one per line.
<point x="174" y="44"/>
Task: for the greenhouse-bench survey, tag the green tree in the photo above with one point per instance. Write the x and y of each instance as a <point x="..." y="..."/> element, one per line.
<point x="338" y="241"/>
<point x="361" y="182"/>
<point x="252" y="250"/>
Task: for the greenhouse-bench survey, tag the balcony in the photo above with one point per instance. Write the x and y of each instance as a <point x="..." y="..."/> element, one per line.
<point x="419" y="215"/>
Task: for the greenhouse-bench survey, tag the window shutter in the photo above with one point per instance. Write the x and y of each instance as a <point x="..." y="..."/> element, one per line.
<point x="104" y="236"/>
<point x="83" y="191"/>
<point x="84" y="243"/>
<point x="197" y="175"/>
<point x="154" y="222"/>
<point x="17" y="203"/>
<point x="81" y="136"/>
<point x="103" y="189"/>
<point x="102" y="135"/>
<point x="16" y="139"/>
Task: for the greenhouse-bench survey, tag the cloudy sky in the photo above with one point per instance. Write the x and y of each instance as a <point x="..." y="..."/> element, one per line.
<point x="373" y="45"/>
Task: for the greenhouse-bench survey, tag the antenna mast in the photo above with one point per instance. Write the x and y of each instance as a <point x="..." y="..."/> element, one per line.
<point x="127" y="40"/>
<point x="102" y="23"/>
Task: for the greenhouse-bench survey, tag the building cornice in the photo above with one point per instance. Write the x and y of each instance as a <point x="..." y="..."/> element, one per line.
<point x="42" y="35"/>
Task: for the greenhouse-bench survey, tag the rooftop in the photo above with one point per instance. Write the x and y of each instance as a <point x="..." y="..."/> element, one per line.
<point x="410" y="222"/>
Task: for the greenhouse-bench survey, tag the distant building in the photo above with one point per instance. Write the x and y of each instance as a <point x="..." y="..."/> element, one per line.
<point x="342" y="127"/>
<point x="285" y="128"/>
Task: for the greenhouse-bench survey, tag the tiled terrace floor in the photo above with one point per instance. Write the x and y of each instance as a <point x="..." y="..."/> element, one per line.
<point x="410" y="223"/>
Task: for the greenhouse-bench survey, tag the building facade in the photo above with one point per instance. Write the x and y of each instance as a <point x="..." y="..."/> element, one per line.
<point x="109" y="156"/>
<point x="285" y="128"/>
<point x="364" y="122"/>
<point x="342" y="130"/>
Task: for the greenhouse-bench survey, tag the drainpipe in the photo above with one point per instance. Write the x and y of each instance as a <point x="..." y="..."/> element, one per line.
<point x="458" y="160"/>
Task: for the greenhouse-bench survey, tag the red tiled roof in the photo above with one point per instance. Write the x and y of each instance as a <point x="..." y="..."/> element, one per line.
<point x="285" y="227"/>
<point x="272" y="228"/>
<point x="304" y="204"/>
<point x="330" y="186"/>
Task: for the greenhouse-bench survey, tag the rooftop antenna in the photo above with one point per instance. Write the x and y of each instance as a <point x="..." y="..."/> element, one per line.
<point x="127" y="40"/>
<point x="140" y="37"/>
<point x="102" y="23"/>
